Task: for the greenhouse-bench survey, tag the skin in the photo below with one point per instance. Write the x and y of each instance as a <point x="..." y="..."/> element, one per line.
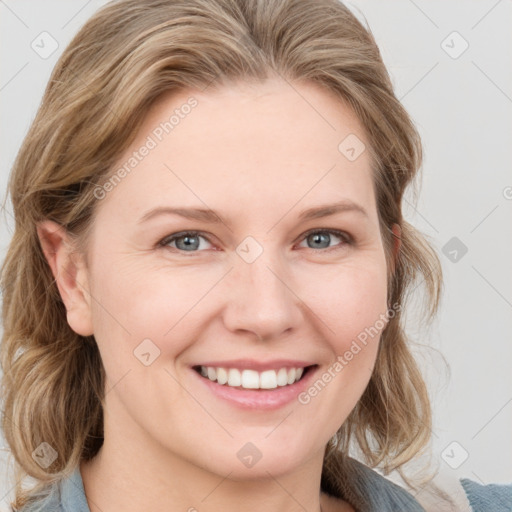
<point x="257" y="155"/>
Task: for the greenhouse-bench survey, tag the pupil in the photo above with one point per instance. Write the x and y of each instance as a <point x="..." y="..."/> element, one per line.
<point x="317" y="237"/>
<point x="189" y="243"/>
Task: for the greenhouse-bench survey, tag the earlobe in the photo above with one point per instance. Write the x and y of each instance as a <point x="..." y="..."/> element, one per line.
<point x="70" y="275"/>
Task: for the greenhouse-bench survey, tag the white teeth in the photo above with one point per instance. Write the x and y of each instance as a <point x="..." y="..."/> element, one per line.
<point x="222" y="376"/>
<point x="268" y="379"/>
<point x="251" y="379"/>
<point x="234" y="379"/>
<point x="282" y="377"/>
<point x="212" y="373"/>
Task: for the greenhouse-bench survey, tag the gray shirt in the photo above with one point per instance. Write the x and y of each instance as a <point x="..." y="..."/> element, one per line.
<point x="380" y="495"/>
<point x="371" y="491"/>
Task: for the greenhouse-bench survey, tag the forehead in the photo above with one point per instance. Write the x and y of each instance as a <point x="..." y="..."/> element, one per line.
<point x="276" y="141"/>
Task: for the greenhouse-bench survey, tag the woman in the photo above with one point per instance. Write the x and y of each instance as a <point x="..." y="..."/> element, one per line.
<point x="202" y="298"/>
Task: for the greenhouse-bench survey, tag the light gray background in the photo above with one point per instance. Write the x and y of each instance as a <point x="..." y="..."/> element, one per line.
<point x="462" y="107"/>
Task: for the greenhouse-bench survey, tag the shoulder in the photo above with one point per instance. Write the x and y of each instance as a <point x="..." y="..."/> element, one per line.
<point x="67" y="495"/>
<point x="383" y="494"/>
<point x="366" y="489"/>
<point x="380" y="494"/>
<point x="495" y="497"/>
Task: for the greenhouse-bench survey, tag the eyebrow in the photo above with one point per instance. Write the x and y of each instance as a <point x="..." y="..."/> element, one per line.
<point x="210" y="216"/>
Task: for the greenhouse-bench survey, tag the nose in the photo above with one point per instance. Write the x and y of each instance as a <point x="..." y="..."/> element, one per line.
<point x="261" y="298"/>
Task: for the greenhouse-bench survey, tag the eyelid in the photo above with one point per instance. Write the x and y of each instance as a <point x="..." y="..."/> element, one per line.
<point x="338" y="232"/>
<point x="346" y="237"/>
<point x="179" y="234"/>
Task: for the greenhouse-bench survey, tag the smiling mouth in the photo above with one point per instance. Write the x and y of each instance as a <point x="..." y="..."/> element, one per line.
<point x="252" y="379"/>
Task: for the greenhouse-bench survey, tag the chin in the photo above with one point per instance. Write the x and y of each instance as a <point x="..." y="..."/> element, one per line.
<point x="249" y="463"/>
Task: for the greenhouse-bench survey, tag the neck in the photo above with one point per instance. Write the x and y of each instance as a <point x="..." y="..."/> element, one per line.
<point x="138" y="476"/>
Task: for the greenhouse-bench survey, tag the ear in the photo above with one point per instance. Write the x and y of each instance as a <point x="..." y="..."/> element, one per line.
<point x="70" y="273"/>
<point x="397" y="241"/>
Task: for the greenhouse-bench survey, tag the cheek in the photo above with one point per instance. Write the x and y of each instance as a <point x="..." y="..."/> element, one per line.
<point x="349" y="300"/>
<point x="135" y="302"/>
<point x="352" y="305"/>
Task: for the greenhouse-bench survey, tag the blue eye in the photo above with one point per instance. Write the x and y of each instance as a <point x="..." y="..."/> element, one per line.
<point x="186" y="241"/>
<point x="323" y="237"/>
<point x="190" y="241"/>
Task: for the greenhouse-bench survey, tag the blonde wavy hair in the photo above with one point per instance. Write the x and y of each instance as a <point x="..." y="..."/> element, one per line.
<point x="124" y="58"/>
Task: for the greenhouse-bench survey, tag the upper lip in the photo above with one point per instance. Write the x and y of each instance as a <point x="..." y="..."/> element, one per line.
<point x="251" y="364"/>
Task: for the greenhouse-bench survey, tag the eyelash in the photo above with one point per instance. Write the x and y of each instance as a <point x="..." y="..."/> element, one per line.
<point x="346" y="238"/>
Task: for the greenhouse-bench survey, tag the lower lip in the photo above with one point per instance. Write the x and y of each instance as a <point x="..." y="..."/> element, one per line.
<point x="270" y="399"/>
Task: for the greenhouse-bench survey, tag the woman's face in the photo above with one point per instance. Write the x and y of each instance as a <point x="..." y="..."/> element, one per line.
<point x="262" y="284"/>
